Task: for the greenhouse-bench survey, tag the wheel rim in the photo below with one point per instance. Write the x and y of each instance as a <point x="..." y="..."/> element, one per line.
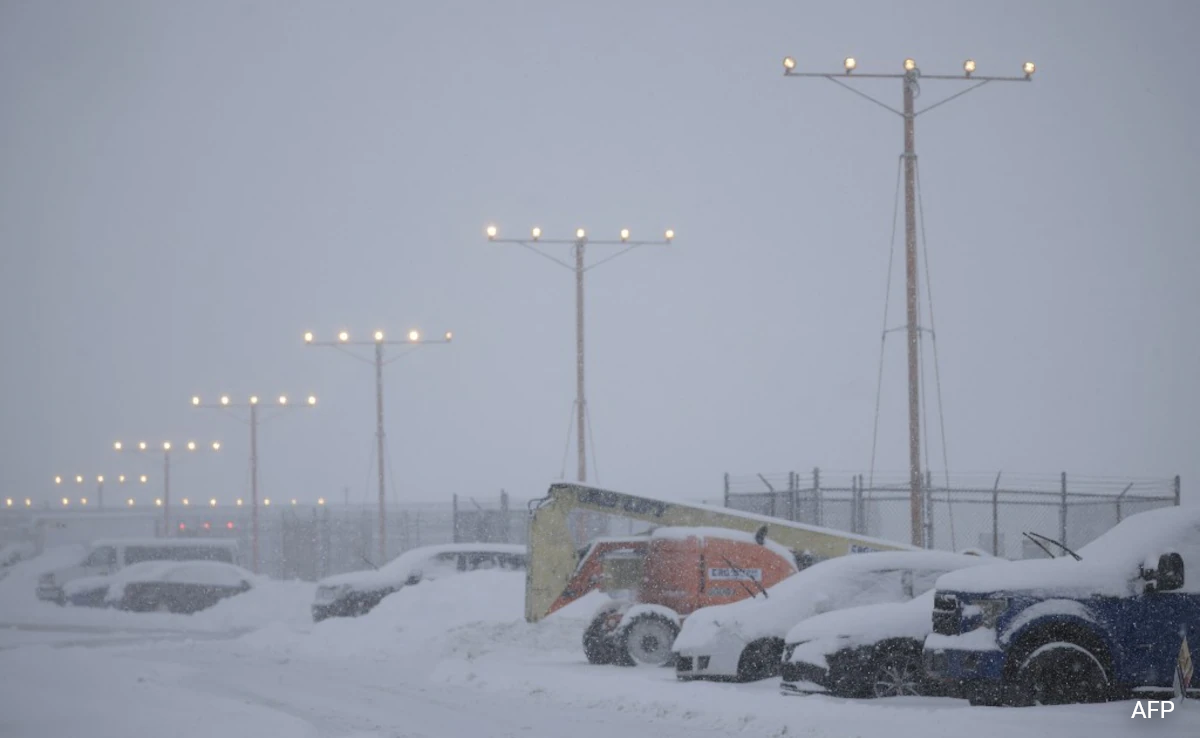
<point x="898" y="678"/>
<point x="650" y="642"/>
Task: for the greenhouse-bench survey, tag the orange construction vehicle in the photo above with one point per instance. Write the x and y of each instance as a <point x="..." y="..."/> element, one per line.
<point x="658" y="579"/>
<point x="697" y="555"/>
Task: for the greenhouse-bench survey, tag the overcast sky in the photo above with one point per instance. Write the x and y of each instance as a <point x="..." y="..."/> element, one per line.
<point x="185" y="188"/>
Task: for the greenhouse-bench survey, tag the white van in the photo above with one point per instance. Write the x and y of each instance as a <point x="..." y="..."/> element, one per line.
<point x="106" y="556"/>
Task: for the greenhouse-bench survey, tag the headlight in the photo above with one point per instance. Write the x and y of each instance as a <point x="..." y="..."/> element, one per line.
<point x="991" y="610"/>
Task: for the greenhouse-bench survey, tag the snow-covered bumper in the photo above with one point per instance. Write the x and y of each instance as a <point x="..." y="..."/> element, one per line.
<point x="715" y="659"/>
<point x="49" y="591"/>
<point x="971" y="664"/>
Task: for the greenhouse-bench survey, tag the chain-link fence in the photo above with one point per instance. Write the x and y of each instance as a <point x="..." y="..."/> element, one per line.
<point x="315" y="542"/>
<point x="955" y="512"/>
<point x="298" y="541"/>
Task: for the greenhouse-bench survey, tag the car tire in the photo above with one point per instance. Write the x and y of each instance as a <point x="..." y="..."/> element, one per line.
<point x="760" y="660"/>
<point x="647" y="641"/>
<point x="1060" y="673"/>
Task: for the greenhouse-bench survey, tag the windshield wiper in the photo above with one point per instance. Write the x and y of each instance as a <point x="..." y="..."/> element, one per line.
<point x="740" y="570"/>
<point x="1061" y="545"/>
<point x="1038" y="543"/>
<point x="369" y="562"/>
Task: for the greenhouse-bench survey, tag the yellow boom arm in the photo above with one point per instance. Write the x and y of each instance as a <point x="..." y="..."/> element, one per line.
<point x="552" y="554"/>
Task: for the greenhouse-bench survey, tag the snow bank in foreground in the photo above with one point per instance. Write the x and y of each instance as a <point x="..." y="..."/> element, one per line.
<point x="86" y="692"/>
<point x="419" y="619"/>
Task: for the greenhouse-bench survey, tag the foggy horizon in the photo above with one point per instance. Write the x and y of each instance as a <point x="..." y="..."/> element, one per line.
<point x="189" y="188"/>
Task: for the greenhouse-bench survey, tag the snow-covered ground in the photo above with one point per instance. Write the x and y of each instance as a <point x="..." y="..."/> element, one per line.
<point x="442" y="659"/>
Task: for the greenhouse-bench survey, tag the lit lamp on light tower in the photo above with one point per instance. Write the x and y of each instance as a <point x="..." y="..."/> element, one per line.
<point x="79" y="479"/>
<point x="910" y="80"/>
<point x="380" y="341"/>
<point x="579" y="244"/>
<point x="166" y="447"/>
<point x="252" y="404"/>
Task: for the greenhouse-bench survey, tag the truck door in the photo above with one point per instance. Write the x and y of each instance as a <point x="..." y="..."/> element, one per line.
<point x="1157" y="621"/>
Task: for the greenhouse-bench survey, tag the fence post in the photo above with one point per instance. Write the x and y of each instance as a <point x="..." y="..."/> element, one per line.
<point x="861" y="510"/>
<point x="1062" y="513"/>
<point x="506" y="519"/>
<point x="1177" y="490"/>
<point x="792" y="496"/>
<point x="1121" y="498"/>
<point x="726" y="489"/>
<point x="454" y="519"/>
<point x="996" y="515"/>
<point x="816" y="495"/>
<point x="854" y="504"/>
<point x="928" y="508"/>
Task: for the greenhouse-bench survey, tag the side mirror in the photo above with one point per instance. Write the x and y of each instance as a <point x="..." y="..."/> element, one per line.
<point x="760" y="535"/>
<point x="1169" y="574"/>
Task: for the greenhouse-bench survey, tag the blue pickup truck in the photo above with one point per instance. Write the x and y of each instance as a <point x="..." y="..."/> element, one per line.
<point x="1104" y="623"/>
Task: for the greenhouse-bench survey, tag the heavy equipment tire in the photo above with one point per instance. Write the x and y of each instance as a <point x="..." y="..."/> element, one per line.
<point x="647" y="641"/>
<point x="598" y="648"/>
<point x="1060" y="673"/>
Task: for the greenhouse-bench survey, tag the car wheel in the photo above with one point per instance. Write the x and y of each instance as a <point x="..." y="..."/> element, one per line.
<point x="1063" y="673"/>
<point x="648" y="639"/>
<point x="898" y="675"/>
<point x="760" y="660"/>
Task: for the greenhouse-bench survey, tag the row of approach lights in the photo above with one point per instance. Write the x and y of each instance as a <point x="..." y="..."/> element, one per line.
<point x="850" y="63"/>
<point x="580" y="233"/>
<point x="344" y="337"/>
<point x="143" y="446"/>
<point x="283" y="400"/>
<point x="130" y="502"/>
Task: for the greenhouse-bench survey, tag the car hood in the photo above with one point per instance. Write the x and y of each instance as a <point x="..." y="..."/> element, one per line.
<point x="869" y="623"/>
<point x="811" y="640"/>
<point x="85" y="584"/>
<point x="745" y="620"/>
<point x="1061" y="577"/>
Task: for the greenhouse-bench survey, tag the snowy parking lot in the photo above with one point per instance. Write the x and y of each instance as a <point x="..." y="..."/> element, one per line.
<point x="445" y="658"/>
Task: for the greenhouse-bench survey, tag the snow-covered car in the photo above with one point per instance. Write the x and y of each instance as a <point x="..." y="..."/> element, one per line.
<point x="110" y="555"/>
<point x="162" y="586"/>
<point x="744" y="640"/>
<point x="1113" y="619"/>
<point x="865" y="651"/>
<point x="356" y="593"/>
<point x="14" y="553"/>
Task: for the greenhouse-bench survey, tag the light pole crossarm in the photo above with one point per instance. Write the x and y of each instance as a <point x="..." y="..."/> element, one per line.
<point x="954" y="77"/>
<point x="627" y="243"/>
<point x="981" y="82"/>
<point x="838" y="79"/>
<point x="538" y="251"/>
<point x="631" y="245"/>
<point x="339" y="344"/>
<point x="834" y="79"/>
